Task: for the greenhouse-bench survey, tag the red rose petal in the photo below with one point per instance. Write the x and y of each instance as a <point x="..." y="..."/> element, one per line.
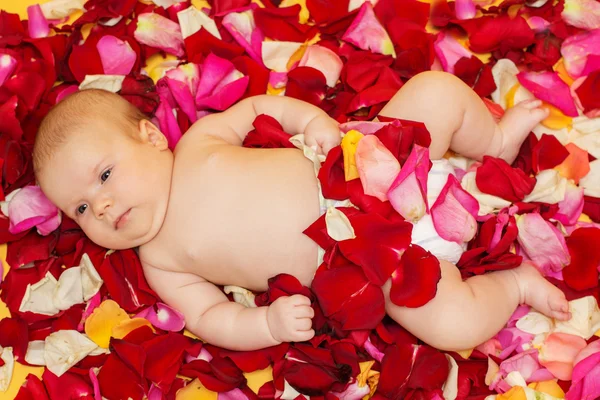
<point x="282" y="24"/>
<point x="118" y="381"/>
<point x="306" y="83"/>
<point x="548" y="153"/>
<point x="13" y="333"/>
<point x="415" y="281"/>
<point x="220" y="375"/>
<point x="164" y="356"/>
<point x="202" y="43"/>
<point x="250" y="361"/>
<point x="430" y="369"/>
<point x="395" y="370"/>
<point x="85" y="60"/>
<point x="582" y="272"/>
<point x="133" y="355"/>
<point x="30" y="248"/>
<point x="268" y="133"/>
<point x="32" y="389"/>
<point x="502" y="33"/>
<point x="591" y="207"/>
<point x="324" y="11"/>
<point x="282" y="285"/>
<point x="331" y="175"/>
<point x="222" y="7"/>
<point x="588" y="92"/>
<point x="497" y="178"/>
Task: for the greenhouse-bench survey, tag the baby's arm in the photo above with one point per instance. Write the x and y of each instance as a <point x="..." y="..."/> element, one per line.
<point x="211" y="316"/>
<point x="295" y="116"/>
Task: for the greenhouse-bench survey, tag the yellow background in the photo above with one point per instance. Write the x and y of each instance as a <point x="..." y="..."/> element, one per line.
<point x="255" y="379"/>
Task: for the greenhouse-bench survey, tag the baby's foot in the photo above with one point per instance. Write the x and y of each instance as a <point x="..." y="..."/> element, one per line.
<point x="540" y="294"/>
<point x="516" y="124"/>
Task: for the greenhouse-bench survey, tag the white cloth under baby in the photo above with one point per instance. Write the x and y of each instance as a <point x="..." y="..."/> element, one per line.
<point x="424" y="233"/>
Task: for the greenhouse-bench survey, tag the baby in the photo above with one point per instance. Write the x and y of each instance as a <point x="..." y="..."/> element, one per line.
<point x="214" y="213"/>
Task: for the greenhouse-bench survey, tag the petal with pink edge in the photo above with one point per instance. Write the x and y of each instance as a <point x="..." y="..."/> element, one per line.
<point x="324" y="60"/>
<point x="242" y="27"/>
<point x="220" y="85"/>
<point x="28" y="208"/>
<point x="7" y="67"/>
<point x="165" y="318"/>
<point x="465" y="9"/>
<point x="59" y="9"/>
<point x="570" y="209"/>
<point x="538" y="24"/>
<point x="558" y="353"/>
<point x="116" y="55"/>
<point x="547" y="86"/>
<point x="188" y="74"/>
<point x="408" y="193"/>
<point x="182" y="95"/>
<point x="583" y="14"/>
<point x="454" y="213"/>
<point x="586" y="375"/>
<point x="581" y="53"/>
<point x="154" y="30"/>
<point x="167" y="122"/>
<point x="377" y="167"/>
<point x="449" y="51"/>
<point x="542" y="242"/>
<point x="367" y="33"/>
<point x="38" y="24"/>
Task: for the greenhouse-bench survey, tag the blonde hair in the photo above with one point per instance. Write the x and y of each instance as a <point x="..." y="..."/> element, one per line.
<point x="74" y="113"/>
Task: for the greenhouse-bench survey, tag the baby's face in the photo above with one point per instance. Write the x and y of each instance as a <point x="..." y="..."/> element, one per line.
<point x="114" y="187"/>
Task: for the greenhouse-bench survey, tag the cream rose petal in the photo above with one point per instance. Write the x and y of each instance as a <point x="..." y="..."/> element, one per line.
<point x="167" y="3"/>
<point x="535" y="323"/>
<point x="492" y="371"/>
<point x="586" y="125"/>
<point x="6" y="371"/>
<point x="192" y="20"/>
<point x="241" y="295"/>
<point x="112" y="83"/>
<point x="91" y="282"/>
<point x="585" y="319"/>
<point x="338" y="225"/>
<point x="591" y="182"/>
<point x="505" y="76"/>
<point x="38" y="297"/>
<point x="35" y="352"/>
<point x="66" y="348"/>
<point x="589" y="142"/>
<point x="68" y="291"/>
<point x="275" y="55"/>
<point x="550" y="188"/>
<point x="58" y="9"/>
<point x="450" y="387"/>
<point x="289" y="393"/>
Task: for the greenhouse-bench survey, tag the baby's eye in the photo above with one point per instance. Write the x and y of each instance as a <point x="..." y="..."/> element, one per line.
<point x="105" y="175"/>
<point x="81" y="209"/>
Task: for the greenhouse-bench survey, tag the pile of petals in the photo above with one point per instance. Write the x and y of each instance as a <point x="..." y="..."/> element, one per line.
<point x="87" y="314"/>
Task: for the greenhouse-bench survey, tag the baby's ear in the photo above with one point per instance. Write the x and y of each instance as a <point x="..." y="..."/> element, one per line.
<point x="149" y="133"/>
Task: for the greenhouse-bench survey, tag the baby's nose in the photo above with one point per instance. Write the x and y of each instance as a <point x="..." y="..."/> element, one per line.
<point x="101" y="206"/>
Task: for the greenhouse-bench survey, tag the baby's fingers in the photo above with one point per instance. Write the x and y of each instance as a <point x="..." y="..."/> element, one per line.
<point x="303" y="336"/>
<point x="300" y="300"/>
<point x="303" y="324"/>
<point x="304" y="312"/>
<point x="329" y="143"/>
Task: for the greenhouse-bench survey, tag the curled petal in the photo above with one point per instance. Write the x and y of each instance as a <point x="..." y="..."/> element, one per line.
<point x="583" y="14"/>
<point x="581" y="53"/>
<point x="549" y="87"/>
<point x="324" y="60"/>
<point x="242" y="27"/>
<point x="157" y="31"/>
<point x="167" y="122"/>
<point x="117" y="56"/>
<point x="542" y="242"/>
<point x="408" y="193"/>
<point x="28" y="208"/>
<point x="349" y="148"/>
<point x="38" y="25"/>
<point x="112" y="83"/>
<point x="487" y="202"/>
<point x="165" y="318"/>
<point x="550" y="188"/>
<point x="7" y="368"/>
<point x="338" y="225"/>
<point x="7" y="67"/>
<point x="59" y="9"/>
<point x="449" y="51"/>
<point x="191" y="20"/>
<point x="414" y="283"/>
<point x="65" y="348"/>
<point x="377" y="167"/>
<point x="367" y="33"/>
<point x="454" y="213"/>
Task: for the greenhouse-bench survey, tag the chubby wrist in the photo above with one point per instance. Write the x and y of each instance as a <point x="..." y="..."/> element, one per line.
<point x="269" y="324"/>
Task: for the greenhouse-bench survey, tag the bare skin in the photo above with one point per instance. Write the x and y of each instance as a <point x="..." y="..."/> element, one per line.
<point x="235" y="216"/>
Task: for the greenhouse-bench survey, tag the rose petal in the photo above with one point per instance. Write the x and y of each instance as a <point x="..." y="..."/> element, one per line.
<point x="542" y="242"/>
<point x="548" y="153"/>
<point x="414" y="283"/>
<point x="157" y="31"/>
<point x="585" y="318"/>
<point x="324" y="60"/>
<point x="112" y="83"/>
<point x="449" y="51"/>
<point x="166" y="318"/>
<point x="38" y="25"/>
<point x="8" y="65"/>
<point x="582" y="272"/>
<point x="550" y="188"/>
<point x="501" y="32"/>
<point x="487" y="203"/>
<point x="497" y="178"/>
<point x="547" y="86"/>
<point x="242" y="27"/>
<point x="591" y="182"/>
<point x="454" y="213"/>
<point x="117" y="56"/>
<point x="586" y="93"/>
<point x="59" y="9"/>
<point x="220" y="85"/>
<point x="586" y="374"/>
<point x="28" y="208"/>
<point x="581" y="52"/>
<point x="6" y="370"/>
<point x="349" y="148"/>
<point x="408" y="193"/>
<point x="367" y="33"/>
<point x="100" y="324"/>
<point x="576" y="165"/>
<point x="465" y="9"/>
<point x="377" y="167"/>
<point x="558" y="353"/>
<point x="191" y="20"/>
<point x="65" y="348"/>
<point x="583" y="14"/>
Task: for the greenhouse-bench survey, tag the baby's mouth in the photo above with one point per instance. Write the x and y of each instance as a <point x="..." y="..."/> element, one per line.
<point x="122" y="220"/>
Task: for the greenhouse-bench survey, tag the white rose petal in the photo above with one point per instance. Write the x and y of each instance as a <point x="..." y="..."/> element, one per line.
<point x="585" y="319"/>
<point x="192" y="20"/>
<point x="586" y="125"/>
<point x="68" y="291"/>
<point x="450" y="387"/>
<point x="505" y="76"/>
<point x="35" y="352"/>
<point x="166" y="3"/>
<point x="6" y="371"/>
<point x="289" y="393"/>
<point x="515" y="378"/>
<point x="550" y="188"/>
<point x="66" y="348"/>
<point x="59" y="9"/>
<point x="241" y="295"/>
<point x="38" y="297"/>
<point x="112" y="83"/>
<point x="591" y="182"/>
<point x="276" y="55"/>
<point x="535" y="323"/>
<point x="589" y="142"/>
<point x="338" y="225"/>
<point x="91" y="282"/>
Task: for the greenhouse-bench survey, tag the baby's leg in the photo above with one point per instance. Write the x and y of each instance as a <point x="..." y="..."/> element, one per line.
<point x="464" y="314"/>
<point x="457" y="118"/>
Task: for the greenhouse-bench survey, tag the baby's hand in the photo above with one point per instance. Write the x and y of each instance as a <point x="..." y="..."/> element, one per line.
<point x="323" y="132"/>
<point x="289" y="319"/>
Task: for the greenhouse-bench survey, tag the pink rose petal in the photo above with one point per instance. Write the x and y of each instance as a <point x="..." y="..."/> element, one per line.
<point x="242" y="27"/>
<point x="558" y="353"/>
<point x="324" y="60"/>
<point x="449" y="51"/>
<point x="188" y="74"/>
<point x="367" y="33"/>
<point x="117" y="56"/>
<point x="538" y="24"/>
<point x="278" y="80"/>
<point x="235" y="394"/>
<point x="581" y="53"/>
<point x="373" y="351"/>
<point x="167" y="122"/>
<point x="183" y="96"/>
<point x="542" y="243"/>
<point x="454" y="213"/>
<point x="408" y="193"/>
<point x="7" y="67"/>
<point x="377" y="166"/>
<point x="570" y="209"/>
<point x="28" y="208"/>
<point x="547" y="86"/>
<point x="583" y="14"/>
<point x="163" y="317"/>
<point x="465" y="9"/>
<point x="220" y="85"/>
<point x="585" y="384"/>
<point x="38" y="24"/>
<point x="157" y="31"/>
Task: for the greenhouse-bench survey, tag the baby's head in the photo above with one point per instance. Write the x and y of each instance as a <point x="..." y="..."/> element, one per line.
<point x="105" y="166"/>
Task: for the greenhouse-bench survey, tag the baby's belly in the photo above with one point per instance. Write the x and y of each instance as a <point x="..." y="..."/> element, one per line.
<point x="239" y="217"/>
